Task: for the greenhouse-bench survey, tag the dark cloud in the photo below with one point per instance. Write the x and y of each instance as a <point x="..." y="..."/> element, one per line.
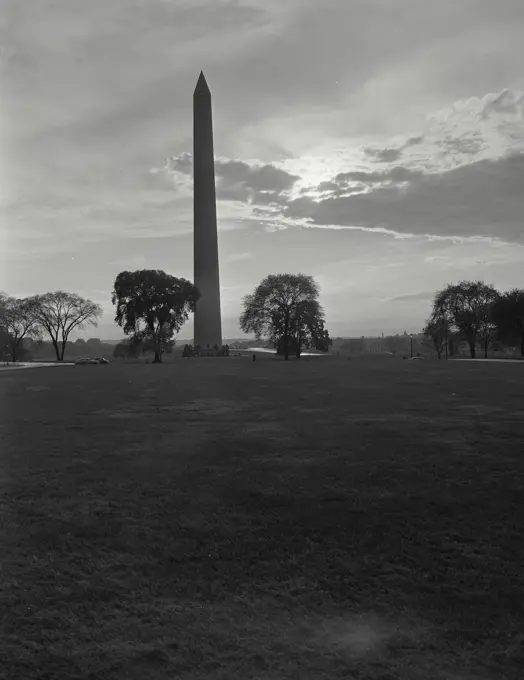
<point x="397" y="175"/>
<point x="258" y="178"/>
<point x="413" y="141"/>
<point x="383" y="155"/>
<point x="239" y="181"/>
<point x="390" y="154"/>
<point x="480" y="199"/>
<point x="324" y="186"/>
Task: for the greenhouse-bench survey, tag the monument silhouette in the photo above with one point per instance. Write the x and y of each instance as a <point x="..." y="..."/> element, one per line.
<point x="207" y="319"/>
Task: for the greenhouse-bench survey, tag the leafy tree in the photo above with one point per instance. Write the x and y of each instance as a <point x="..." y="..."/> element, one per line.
<point x="131" y="348"/>
<point x="306" y="330"/>
<point x="395" y="344"/>
<point x="146" y="345"/>
<point x="60" y="313"/>
<point x="353" y="346"/>
<point x="188" y="351"/>
<point x="18" y="320"/>
<point x="4" y="336"/>
<point x="121" y="350"/>
<point x="436" y="331"/>
<point x="284" y="308"/>
<point x="5" y="353"/>
<point x="466" y="309"/>
<point x="508" y="315"/>
<point x="152" y="305"/>
<point x="94" y="345"/>
<point x="487" y="327"/>
<point x="321" y="341"/>
<point x="453" y="342"/>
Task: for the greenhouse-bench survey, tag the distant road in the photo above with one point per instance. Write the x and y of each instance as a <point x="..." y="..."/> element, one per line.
<point x="501" y="361"/>
<point x="32" y="364"/>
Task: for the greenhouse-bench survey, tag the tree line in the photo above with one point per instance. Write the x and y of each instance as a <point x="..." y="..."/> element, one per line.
<point x="477" y="313"/>
<point x="152" y="306"/>
<point x="284" y="310"/>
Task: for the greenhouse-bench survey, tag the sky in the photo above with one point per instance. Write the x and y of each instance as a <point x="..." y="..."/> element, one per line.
<point x="377" y="145"/>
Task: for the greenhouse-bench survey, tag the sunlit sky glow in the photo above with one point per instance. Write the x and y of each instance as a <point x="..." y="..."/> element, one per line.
<point x="375" y="144"/>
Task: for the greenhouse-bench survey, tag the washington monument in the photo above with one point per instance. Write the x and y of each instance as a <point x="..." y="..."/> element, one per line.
<point x="208" y="324"/>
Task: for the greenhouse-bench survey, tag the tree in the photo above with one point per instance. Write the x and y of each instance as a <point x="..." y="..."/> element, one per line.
<point x="353" y="346"/>
<point x="18" y="320"/>
<point x="284" y="308"/>
<point x="152" y="305"/>
<point x="321" y="341"/>
<point x="60" y="313"/>
<point x="466" y="309"/>
<point x="94" y="345"/>
<point x="395" y="344"/>
<point x="121" y="350"/>
<point x="307" y="328"/>
<point x="436" y="331"/>
<point x="508" y="315"/>
<point x="487" y="327"/>
<point x="188" y="351"/>
<point x="4" y="336"/>
<point x="146" y="345"/>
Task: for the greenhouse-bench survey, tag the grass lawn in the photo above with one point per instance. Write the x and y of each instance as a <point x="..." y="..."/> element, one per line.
<point x="219" y="518"/>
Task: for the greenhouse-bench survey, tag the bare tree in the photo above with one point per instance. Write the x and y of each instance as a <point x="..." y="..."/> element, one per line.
<point x="18" y="320"/>
<point x="60" y="313"/>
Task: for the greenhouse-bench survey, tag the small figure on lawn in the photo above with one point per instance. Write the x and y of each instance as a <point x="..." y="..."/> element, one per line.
<point x="254" y="357"/>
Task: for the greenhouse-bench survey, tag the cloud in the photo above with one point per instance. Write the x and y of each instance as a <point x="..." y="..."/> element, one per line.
<point x="256" y="177"/>
<point x="480" y="199"/>
<point x="478" y="128"/>
<point x="239" y="257"/>
<point x="240" y="181"/>
<point x="396" y="175"/>
<point x="383" y="155"/>
<point x="457" y="180"/>
<point x="413" y="297"/>
<point x="507" y="103"/>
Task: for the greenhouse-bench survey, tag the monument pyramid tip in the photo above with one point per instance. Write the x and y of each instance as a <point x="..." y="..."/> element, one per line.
<point x="201" y="86"/>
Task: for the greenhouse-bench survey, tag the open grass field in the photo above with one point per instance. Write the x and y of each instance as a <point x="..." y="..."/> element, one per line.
<point x="220" y="518"/>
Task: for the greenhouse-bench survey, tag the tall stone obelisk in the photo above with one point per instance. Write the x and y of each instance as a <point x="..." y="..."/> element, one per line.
<point x="208" y="323"/>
